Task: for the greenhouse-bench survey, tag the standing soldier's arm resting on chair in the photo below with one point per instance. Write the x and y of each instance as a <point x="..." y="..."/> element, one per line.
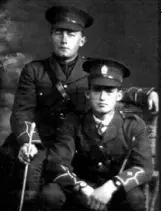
<point x="144" y="97"/>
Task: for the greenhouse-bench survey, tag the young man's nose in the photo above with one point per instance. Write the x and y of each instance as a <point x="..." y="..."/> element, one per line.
<point x="103" y="94"/>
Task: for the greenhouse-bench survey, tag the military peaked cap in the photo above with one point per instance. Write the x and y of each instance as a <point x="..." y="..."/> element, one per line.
<point x="105" y="72"/>
<point x="68" y="17"/>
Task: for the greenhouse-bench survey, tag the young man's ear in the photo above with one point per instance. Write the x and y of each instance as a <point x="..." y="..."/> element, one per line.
<point x="87" y="94"/>
<point x="83" y="41"/>
<point x="119" y="95"/>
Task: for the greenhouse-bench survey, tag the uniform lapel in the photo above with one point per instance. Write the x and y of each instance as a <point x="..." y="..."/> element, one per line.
<point x="89" y="127"/>
<point x="113" y="128"/>
<point x="57" y="71"/>
<point x="77" y="72"/>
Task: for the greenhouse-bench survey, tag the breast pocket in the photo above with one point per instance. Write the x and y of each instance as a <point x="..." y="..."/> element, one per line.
<point x="47" y="95"/>
<point x="43" y="95"/>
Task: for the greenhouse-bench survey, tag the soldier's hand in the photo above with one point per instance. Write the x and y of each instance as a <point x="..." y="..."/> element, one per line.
<point x="101" y="196"/>
<point x="87" y="191"/>
<point x="153" y="102"/>
<point x="23" y="155"/>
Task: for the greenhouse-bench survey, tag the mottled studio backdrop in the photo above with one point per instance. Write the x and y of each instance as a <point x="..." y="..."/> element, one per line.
<point x="123" y="29"/>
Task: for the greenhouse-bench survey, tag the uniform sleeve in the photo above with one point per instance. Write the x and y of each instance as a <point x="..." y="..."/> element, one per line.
<point x="139" y="166"/>
<point x="24" y="108"/>
<point x="61" y="155"/>
<point x="137" y="96"/>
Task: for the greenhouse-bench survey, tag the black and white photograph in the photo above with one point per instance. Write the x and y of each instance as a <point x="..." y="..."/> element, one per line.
<point x="79" y="105"/>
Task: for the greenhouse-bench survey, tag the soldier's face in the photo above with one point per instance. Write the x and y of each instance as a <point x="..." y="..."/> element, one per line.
<point x="66" y="43"/>
<point x="103" y="99"/>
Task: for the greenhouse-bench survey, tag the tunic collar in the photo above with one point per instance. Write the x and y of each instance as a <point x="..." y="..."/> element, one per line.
<point x="112" y="130"/>
<point x="104" y="122"/>
<point x="75" y="74"/>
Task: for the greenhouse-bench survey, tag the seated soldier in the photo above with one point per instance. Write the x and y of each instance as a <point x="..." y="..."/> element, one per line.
<point x="100" y="159"/>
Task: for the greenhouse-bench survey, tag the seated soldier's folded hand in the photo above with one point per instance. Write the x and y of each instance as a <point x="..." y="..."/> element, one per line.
<point x="24" y="156"/>
<point x="87" y="190"/>
<point x="101" y="196"/>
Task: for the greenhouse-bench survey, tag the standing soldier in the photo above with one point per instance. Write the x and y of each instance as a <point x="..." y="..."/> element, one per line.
<point x="49" y="89"/>
<point x="102" y="158"/>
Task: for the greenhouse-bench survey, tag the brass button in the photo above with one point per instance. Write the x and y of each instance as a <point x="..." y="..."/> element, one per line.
<point x="40" y="93"/>
<point x="101" y="147"/>
<point x="100" y="164"/>
<point x="65" y="86"/>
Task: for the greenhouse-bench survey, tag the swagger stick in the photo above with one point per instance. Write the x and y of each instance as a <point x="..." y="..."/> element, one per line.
<point x="26" y="167"/>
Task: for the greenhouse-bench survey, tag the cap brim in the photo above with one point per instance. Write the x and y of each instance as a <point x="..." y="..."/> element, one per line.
<point x="102" y="81"/>
<point x="67" y="25"/>
<point x="61" y="12"/>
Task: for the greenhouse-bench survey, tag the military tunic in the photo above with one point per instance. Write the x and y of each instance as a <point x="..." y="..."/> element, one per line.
<point x="95" y="159"/>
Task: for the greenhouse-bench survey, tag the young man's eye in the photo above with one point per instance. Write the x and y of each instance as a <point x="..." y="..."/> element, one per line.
<point x="100" y="89"/>
<point x="96" y="89"/>
<point x="72" y="34"/>
<point x="108" y="90"/>
<point x="56" y="32"/>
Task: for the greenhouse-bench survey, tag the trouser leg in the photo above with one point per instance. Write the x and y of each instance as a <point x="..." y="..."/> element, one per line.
<point x="34" y="178"/>
<point x="134" y="200"/>
<point x="52" y="197"/>
<point x="35" y="169"/>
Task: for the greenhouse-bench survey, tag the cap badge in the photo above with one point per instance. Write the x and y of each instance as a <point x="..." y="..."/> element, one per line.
<point x="104" y="70"/>
<point x="70" y="20"/>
